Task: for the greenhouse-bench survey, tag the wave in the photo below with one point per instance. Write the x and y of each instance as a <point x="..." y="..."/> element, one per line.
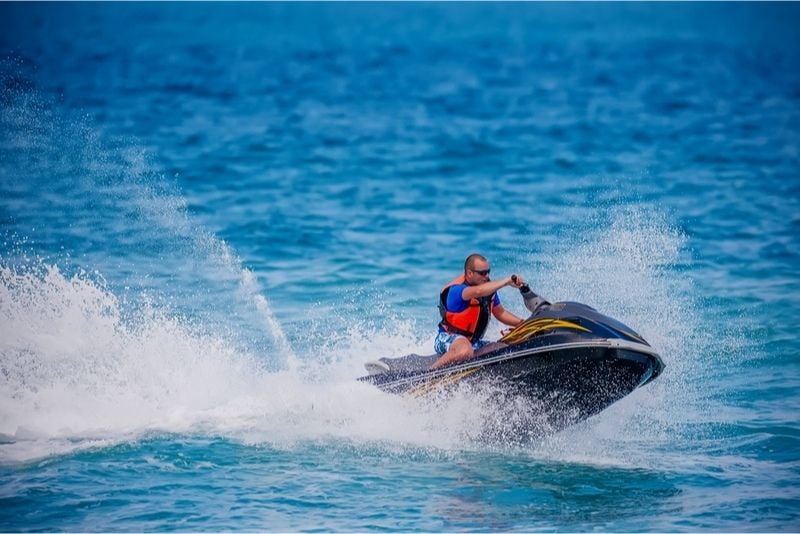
<point x="85" y="363"/>
<point x="82" y="367"/>
<point x="78" y="371"/>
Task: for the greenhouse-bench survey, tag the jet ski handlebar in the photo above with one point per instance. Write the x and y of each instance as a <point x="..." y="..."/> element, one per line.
<point x="532" y="301"/>
<point x="524" y="288"/>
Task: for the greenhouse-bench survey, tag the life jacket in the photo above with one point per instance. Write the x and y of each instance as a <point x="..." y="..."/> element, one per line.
<point x="470" y="323"/>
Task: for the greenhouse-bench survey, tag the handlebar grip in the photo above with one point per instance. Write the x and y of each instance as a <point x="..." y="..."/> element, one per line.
<point x="514" y="278"/>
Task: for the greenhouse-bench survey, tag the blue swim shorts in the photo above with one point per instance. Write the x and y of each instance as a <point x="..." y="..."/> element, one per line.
<point x="444" y="339"/>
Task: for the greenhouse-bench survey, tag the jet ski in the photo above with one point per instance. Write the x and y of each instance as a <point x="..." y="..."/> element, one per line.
<point x="567" y="357"/>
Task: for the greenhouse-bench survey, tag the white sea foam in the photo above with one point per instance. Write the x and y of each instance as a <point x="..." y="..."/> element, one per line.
<point x="75" y="374"/>
<point x="625" y="263"/>
<point x="78" y="369"/>
<point x="71" y="368"/>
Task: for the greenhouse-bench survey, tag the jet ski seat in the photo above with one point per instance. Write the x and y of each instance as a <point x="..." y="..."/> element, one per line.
<point x="417" y="362"/>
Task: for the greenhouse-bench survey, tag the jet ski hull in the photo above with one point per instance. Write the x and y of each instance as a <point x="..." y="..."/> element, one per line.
<point x="582" y="377"/>
<point x="567" y="360"/>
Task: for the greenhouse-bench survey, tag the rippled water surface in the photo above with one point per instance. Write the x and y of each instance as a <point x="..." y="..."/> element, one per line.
<point x="212" y="215"/>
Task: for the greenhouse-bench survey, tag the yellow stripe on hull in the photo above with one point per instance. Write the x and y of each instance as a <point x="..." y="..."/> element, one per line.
<point x="447" y="380"/>
<point x="529" y="329"/>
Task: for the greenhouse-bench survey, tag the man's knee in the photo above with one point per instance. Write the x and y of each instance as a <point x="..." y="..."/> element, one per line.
<point x="461" y="347"/>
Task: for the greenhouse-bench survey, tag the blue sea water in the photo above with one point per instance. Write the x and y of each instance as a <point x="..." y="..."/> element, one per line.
<point x="212" y="215"/>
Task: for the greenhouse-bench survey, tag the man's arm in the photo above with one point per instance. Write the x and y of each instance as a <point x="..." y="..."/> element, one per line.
<point x="505" y="316"/>
<point x="489" y="288"/>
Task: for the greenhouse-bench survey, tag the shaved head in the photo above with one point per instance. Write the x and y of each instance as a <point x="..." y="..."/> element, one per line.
<point x="469" y="263"/>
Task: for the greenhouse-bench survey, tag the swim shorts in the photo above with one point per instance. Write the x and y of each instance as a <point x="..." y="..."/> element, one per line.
<point x="444" y="339"/>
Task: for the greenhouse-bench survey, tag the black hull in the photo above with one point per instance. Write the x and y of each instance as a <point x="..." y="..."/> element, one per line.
<point x="566" y="363"/>
<point x="564" y="384"/>
<point x="569" y="388"/>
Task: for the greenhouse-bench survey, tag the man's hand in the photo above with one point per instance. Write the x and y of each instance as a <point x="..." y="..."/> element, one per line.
<point x="515" y="280"/>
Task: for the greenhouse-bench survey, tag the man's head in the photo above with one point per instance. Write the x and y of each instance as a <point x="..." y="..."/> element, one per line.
<point x="476" y="270"/>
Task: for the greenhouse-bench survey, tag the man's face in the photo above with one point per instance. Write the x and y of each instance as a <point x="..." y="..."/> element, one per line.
<point x="479" y="274"/>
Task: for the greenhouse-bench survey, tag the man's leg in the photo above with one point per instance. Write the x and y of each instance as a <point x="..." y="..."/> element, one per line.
<point x="459" y="350"/>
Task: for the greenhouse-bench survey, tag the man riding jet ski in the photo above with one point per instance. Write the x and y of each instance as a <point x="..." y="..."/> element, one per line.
<point x="572" y="359"/>
<point x="466" y="304"/>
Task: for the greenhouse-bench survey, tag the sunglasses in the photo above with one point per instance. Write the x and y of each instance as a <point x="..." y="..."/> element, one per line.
<point x="482" y="273"/>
